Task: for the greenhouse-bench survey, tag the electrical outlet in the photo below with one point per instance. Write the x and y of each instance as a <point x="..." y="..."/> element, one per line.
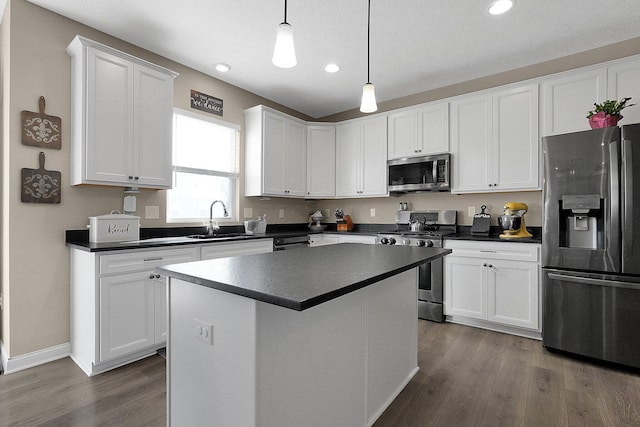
<point x="248" y="212"/>
<point x="471" y="211"/>
<point x="203" y="331"/>
<point x="327" y="213"/>
<point x="152" y="212"/>
<point x="372" y="211"/>
<point x="281" y="213"/>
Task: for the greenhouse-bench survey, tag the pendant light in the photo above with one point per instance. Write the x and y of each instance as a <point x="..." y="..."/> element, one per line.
<point x="368" y="104"/>
<point x="284" y="54"/>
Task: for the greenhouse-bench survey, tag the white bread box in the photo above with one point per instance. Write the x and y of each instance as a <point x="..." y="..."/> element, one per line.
<point x="114" y="228"/>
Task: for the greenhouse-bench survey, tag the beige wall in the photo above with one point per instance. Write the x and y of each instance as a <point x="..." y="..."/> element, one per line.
<point x="4" y="160"/>
<point x="595" y="56"/>
<point x="385" y="208"/>
<point x="35" y="262"/>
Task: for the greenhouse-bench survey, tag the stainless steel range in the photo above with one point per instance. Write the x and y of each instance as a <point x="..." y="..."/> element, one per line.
<point x="424" y="229"/>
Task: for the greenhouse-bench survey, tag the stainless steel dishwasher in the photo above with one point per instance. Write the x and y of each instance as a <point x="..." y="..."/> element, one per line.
<point x="290" y="242"/>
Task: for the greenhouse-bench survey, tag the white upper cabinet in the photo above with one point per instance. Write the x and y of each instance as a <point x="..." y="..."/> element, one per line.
<point x="122" y="106"/>
<point x="419" y="131"/>
<point x="321" y="160"/>
<point x="568" y="98"/>
<point x="623" y="82"/>
<point x="361" y="158"/>
<point x="494" y="141"/>
<point x="471" y="140"/>
<point x="275" y="154"/>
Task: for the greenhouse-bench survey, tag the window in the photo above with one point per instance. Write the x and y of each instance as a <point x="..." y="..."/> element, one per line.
<point x="205" y="168"/>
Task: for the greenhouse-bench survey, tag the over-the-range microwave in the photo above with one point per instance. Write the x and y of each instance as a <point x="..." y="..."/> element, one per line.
<point x="425" y="173"/>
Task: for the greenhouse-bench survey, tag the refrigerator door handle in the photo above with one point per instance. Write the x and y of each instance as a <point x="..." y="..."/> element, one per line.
<point x="596" y="282"/>
<point x="627" y="191"/>
<point x="613" y="228"/>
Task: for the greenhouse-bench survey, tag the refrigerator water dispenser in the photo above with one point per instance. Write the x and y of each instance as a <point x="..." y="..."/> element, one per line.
<point x="582" y="221"/>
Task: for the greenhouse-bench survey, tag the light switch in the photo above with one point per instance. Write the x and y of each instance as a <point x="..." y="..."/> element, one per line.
<point x="281" y="213"/>
<point x="372" y="211"/>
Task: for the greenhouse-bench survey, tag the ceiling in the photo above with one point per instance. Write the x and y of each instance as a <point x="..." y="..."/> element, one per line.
<point x="416" y="45"/>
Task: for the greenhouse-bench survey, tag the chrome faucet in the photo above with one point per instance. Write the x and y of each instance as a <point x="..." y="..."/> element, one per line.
<point x="212" y="228"/>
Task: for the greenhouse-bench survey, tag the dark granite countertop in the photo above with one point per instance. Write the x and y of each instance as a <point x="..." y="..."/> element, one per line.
<point x="305" y="277"/>
<point x="177" y="236"/>
<point x="464" y="233"/>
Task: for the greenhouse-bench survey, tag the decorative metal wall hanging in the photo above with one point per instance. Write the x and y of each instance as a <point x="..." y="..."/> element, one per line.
<point x="40" y="129"/>
<point x="40" y="185"/>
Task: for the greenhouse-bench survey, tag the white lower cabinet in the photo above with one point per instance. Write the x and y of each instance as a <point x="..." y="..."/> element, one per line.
<point x="494" y="285"/>
<point x="127" y="314"/>
<point x="322" y="240"/>
<point x="334" y="239"/>
<point x="221" y="250"/>
<point x="119" y="304"/>
<point x="352" y="238"/>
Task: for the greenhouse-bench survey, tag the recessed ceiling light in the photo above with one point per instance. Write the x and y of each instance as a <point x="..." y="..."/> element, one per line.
<point x="332" y="68"/>
<point x="222" y="67"/>
<point x="500" y="6"/>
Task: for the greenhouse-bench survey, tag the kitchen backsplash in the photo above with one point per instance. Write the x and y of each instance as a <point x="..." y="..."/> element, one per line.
<point x="360" y="210"/>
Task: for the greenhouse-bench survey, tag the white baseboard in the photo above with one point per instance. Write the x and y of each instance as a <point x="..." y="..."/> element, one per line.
<point x="476" y="323"/>
<point x="35" y="358"/>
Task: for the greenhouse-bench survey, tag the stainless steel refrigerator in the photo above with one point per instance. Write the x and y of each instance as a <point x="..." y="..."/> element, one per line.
<point x="591" y="244"/>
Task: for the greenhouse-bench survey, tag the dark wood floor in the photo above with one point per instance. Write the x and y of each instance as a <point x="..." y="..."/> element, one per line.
<point x="60" y="394"/>
<point x="467" y="377"/>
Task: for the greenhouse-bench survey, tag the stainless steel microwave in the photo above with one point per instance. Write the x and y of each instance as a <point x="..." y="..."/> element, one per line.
<point x="414" y="174"/>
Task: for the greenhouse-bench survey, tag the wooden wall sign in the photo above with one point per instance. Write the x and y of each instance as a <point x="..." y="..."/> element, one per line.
<point x="203" y="102"/>
<point x="40" y="129"/>
<point x="40" y="185"/>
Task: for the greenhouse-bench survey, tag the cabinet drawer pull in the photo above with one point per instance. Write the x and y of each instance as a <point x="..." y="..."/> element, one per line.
<point x="153" y="259"/>
<point x="485" y="250"/>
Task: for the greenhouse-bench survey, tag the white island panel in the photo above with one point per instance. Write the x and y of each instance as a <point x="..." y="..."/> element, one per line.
<point x="311" y="364"/>
<point x="340" y="363"/>
<point x="392" y="339"/>
<point x="211" y="385"/>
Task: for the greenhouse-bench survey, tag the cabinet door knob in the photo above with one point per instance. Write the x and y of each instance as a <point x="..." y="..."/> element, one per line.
<point x="152" y="276"/>
<point x="130" y="176"/>
<point x="136" y="178"/>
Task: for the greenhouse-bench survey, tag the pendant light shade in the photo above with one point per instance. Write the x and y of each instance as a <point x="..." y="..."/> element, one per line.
<point x="368" y="103"/>
<point x="284" y="54"/>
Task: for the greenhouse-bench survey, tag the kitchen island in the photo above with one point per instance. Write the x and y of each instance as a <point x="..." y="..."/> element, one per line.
<point x="306" y="337"/>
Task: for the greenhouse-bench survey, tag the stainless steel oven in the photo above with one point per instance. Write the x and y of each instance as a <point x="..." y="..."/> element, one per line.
<point x="433" y="226"/>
